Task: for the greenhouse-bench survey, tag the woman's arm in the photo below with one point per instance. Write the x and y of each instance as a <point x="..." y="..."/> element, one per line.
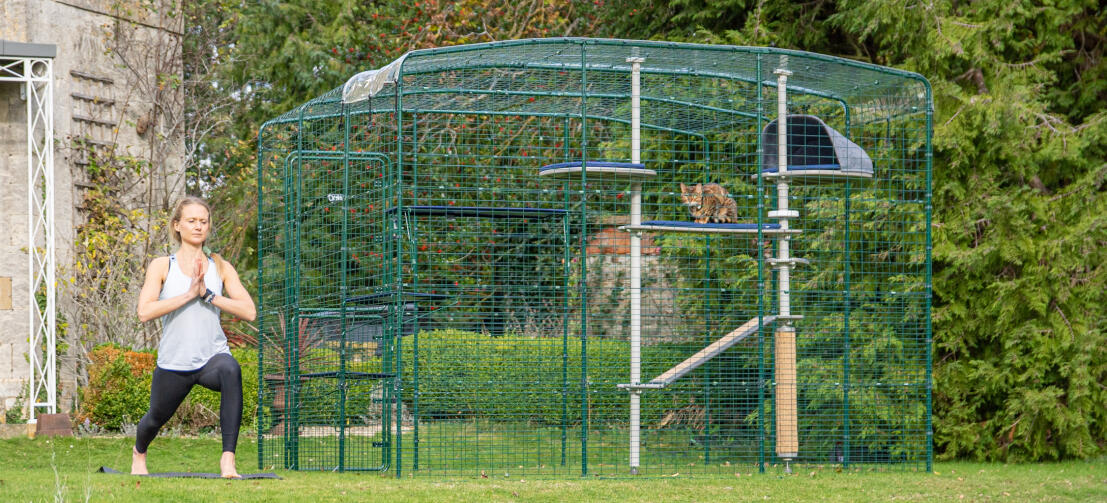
<point x="149" y="307"/>
<point x="237" y="300"/>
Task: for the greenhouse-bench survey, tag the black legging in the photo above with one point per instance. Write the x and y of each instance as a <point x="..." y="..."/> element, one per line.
<point x="170" y="387"/>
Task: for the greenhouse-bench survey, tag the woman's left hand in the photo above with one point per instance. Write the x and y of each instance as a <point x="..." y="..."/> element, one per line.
<point x="197" y="288"/>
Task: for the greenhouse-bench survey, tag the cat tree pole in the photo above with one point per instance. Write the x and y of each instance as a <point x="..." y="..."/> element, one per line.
<point x="787" y="434"/>
<point x="635" y="261"/>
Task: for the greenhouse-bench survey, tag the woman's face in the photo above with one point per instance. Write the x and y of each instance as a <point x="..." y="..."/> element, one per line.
<point x="193" y="225"/>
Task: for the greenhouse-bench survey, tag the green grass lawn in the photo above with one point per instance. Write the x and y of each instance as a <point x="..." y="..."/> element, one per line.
<point x="62" y="469"/>
<point x="466" y="448"/>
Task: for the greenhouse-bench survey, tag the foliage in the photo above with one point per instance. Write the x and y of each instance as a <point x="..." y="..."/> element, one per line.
<point x="1019" y="143"/>
<point x="1018" y="196"/>
<point x="110" y="259"/>
<point x="118" y="392"/>
<point x="14" y="414"/>
<point x="129" y="178"/>
<point x="520" y="378"/>
<point x="271" y="56"/>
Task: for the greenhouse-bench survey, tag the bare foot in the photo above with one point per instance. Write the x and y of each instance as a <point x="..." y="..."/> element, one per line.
<point x="138" y="463"/>
<point x="226" y="466"/>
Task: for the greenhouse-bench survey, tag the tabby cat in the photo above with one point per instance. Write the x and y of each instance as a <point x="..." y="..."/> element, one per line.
<point x="709" y="201"/>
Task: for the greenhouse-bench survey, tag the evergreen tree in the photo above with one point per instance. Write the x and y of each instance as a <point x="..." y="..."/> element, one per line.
<point x="1020" y="138"/>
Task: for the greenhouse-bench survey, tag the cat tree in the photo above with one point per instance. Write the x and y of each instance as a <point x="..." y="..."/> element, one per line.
<point x="787" y="443"/>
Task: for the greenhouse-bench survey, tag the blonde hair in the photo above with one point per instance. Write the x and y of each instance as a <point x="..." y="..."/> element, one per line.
<point x="176" y="217"/>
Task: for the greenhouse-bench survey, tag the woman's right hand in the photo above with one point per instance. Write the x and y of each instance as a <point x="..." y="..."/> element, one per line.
<point x="197" y="288"/>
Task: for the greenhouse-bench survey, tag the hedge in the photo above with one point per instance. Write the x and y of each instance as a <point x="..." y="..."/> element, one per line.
<point x="118" y="391"/>
<point x="520" y="378"/>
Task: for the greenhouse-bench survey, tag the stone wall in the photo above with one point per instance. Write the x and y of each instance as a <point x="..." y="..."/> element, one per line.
<point x="13" y="240"/>
<point x="97" y="99"/>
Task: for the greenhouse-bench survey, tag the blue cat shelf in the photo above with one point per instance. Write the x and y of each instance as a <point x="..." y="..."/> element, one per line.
<point x="594" y="169"/>
<point x="710" y="228"/>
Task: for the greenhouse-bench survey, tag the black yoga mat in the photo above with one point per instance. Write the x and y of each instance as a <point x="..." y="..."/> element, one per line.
<point x="192" y="475"/>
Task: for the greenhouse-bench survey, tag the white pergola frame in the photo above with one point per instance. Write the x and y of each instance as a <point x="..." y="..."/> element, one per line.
<point x="32" y="65"/>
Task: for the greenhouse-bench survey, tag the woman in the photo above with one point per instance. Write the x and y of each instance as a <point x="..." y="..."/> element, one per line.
<point x="189" y="290"/>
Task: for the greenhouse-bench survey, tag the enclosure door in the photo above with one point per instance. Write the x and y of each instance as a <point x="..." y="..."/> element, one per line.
<point x="338" y="377"/>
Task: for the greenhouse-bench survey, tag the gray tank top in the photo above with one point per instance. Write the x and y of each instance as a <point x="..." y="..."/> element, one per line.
<point x="191" y="335"/>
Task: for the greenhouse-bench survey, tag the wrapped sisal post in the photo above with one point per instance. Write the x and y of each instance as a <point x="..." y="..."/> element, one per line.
<point x="787" y="425"/>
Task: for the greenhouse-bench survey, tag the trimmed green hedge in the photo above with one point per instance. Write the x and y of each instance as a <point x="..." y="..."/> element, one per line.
<point x="118" y="391"/>
<point x="519" y="378"/>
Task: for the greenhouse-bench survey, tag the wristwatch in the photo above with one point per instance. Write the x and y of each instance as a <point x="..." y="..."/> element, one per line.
<point x="208" y="295"/>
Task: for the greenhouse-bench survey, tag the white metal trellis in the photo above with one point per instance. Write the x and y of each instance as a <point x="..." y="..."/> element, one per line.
<point x="36" y="74"/>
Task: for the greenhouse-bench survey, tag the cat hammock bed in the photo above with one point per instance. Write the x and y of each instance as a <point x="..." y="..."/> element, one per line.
<point x="813" y="149"/>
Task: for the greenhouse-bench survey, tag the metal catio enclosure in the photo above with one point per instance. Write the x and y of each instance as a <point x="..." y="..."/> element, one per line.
<point x="479" y="259"/>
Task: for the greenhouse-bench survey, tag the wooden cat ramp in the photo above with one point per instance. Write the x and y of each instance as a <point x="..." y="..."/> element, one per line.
<point x="704" y="355"/>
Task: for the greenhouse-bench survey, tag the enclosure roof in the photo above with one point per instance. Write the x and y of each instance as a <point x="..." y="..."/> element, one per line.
<point x="458" y="77"/>
<point x="12" y="49"/>
<point x="818" y="74"/>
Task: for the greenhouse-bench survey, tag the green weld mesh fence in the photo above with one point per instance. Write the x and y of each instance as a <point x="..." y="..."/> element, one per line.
<point x="451" y="280"/>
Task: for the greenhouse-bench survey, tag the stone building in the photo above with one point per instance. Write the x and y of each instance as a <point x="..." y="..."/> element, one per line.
<point x="107" y="57"/>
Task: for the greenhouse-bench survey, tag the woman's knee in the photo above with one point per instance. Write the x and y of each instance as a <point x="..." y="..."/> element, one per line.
<point x="221" y="371"/>
<point x="228" y="368"/>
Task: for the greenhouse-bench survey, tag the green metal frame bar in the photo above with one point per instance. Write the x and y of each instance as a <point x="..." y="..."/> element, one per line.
<point x="261" y="302"/>
<point x="653" y="127"/>
<point x="397" y="306"/>
<point x="929" y="280"/>
<point x="414" y="252"/>
<point x="342" y="289"/>
<point x="565" y="314"/>
<point x="582" y="283"/>
<point x="848" y="349"/>
<point x="761" y="282"/>
<point x="292" y="375"/>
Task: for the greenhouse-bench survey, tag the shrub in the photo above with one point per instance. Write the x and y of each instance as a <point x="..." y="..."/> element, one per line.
<point x="118" y="391"/>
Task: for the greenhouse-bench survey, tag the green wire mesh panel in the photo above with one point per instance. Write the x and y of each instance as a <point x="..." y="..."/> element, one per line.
<point x="451" y="281"/>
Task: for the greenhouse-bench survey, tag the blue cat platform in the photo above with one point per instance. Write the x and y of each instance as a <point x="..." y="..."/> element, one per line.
<point x="824" y="170"/>
<point x="714" y="228"/>
<point x="482" y="211"/>
<point x="594" y="169"/>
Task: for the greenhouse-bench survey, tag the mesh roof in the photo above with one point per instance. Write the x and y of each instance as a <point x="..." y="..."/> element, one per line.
<point x="584" y="68"/>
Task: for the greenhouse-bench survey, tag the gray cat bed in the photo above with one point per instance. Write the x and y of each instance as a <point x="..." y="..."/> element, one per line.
<point x="814" y="149"/>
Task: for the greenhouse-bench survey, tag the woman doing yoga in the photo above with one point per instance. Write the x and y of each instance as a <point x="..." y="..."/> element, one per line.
<point x="188" y="290"/>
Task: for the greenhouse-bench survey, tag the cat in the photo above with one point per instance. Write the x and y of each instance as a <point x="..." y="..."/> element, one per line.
<point x="709" y="201"/>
